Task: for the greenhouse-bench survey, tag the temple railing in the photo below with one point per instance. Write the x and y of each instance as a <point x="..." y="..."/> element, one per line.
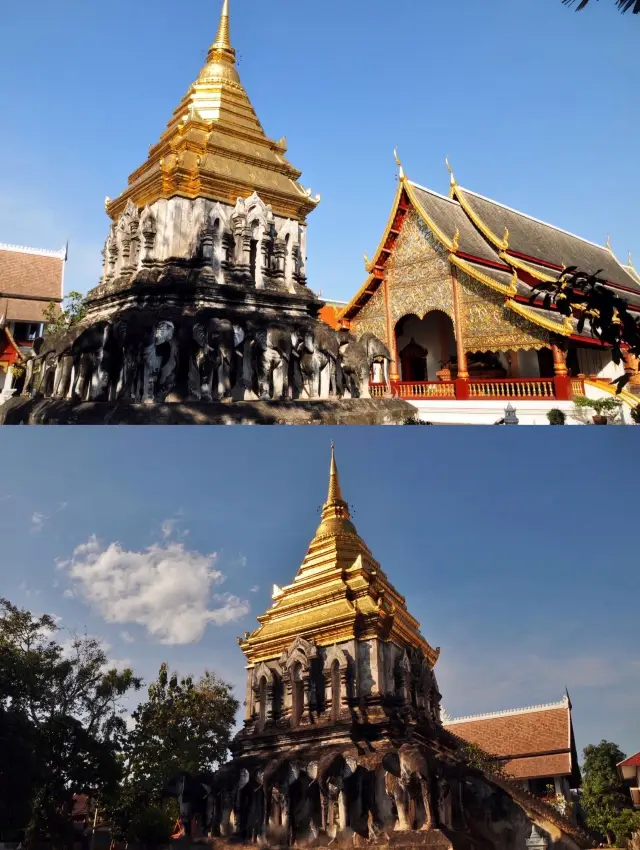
<point x="424" y="389"/>
<point x="512" y="388"/>
<point x="559" y="388"/>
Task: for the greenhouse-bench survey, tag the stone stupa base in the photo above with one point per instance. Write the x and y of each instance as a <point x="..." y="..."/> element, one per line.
<point x="379" y="411"/>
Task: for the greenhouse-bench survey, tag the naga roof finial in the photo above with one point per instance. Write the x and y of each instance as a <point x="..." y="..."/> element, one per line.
<point x="608" y="243"/>
<point x="398" y="163"/>
<point x="450" y="170"/>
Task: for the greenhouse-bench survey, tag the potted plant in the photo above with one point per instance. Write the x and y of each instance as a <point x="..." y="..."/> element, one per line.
<point x="556" y="417"/>
<point x="603" y="408"/>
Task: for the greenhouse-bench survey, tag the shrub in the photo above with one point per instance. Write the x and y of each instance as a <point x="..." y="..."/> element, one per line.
<point x="635" y="414"/>
<point x="152" y="828"/>
<point x="556" y="417"/>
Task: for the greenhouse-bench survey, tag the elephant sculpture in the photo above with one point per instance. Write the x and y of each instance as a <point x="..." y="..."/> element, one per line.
<point x="225" y="798"/>
<point x="192" y="796"/>
<point x="354" y="361"/>
<point x="320" y="354"/>
<point x="332" y="773"/>
<point x="377" y="352"/>
<point x="272" y="350"/>
<point x="96" y="362"/>
<point x="410" y="774"/>
<point x="216" y="342"/>
<point x="277" y="780"/>
<point x="159" y="362"/>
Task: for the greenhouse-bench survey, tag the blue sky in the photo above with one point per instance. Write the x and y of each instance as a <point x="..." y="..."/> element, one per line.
<point x="519" y="560"/>
<point x="534" y="104"/>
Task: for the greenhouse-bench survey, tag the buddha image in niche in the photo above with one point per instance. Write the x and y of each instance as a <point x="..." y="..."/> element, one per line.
<point x="164" y="332"/>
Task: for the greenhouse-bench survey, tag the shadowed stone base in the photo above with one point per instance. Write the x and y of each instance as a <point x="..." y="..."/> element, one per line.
<point x="379" y="411"/>
<point x="435" y="839"/>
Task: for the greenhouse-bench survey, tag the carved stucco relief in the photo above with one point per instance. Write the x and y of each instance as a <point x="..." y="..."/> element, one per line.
<point x="488" y="325"/>
<point x="418" y="273"/>
<point x="372" y="318"/>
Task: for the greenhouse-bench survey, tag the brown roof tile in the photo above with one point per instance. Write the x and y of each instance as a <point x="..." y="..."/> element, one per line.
<point x="534" y="742"/>
<point x="31" y="273"/>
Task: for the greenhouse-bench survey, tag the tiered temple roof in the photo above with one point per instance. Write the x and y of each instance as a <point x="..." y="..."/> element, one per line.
<point x="533" y="742"/>
<point x="506" y="250"/>
<point x="215" y="147"/>
<point x="30" y="278"/>
<point x="339" y="593"/>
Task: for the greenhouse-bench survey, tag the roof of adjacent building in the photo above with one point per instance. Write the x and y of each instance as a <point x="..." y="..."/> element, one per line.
<point x="632" y="761"/>
<point x="533" y="742"/>
<point x="30" y="278"/>
<point x="506" y="250"/>
<point x="330" y="313"/>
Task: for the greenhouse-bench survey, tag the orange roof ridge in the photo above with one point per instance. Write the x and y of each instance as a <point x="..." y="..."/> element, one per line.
<point x="563" y="703"/>
<point x="530" y="217"/>
<point x="40" y="252"/>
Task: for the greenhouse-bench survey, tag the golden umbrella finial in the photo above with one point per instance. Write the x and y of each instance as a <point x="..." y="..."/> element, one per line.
<point x="222" y="45"/>
<point x="334" y="494"/>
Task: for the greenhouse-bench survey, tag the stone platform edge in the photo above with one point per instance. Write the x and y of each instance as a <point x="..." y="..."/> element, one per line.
<point x="379" y="411"/>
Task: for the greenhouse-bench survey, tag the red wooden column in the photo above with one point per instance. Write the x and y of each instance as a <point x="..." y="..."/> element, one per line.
<point x="561" y="381"/>
<point x="394" y="373"/>
<point x="462" y="381"/>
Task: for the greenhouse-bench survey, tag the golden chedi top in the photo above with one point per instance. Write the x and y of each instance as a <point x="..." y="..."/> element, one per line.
<point x="214" y="147"/>
<point x="340" y="593"/>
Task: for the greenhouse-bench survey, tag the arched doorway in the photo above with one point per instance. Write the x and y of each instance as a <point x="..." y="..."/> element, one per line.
<point x="424" y="345"/>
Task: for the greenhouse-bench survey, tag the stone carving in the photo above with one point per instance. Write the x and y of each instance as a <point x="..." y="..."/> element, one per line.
<point x="409" y="774"/>
<point x="372" y="317"/>
<point x="204" y="357"/>
<point x="332" y="774"/>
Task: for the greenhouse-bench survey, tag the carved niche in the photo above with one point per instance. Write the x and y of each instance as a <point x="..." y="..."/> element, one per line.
<point x="418" y="273"/>
<point x="264" y="689"/>
<point x="488" y="325"/>
<point x="296" y="674"/>
<point x="336" y="681"/>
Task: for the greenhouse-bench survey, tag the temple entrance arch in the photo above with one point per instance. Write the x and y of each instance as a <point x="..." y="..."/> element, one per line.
<point x="424" y="345"/>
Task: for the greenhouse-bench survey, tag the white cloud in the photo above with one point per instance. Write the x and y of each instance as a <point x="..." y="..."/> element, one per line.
<point x="167" y="527"/>
<point x="37" y="522"/>
<point x="164" y="588"/>
<point x="255" y="588"/>
<point x="127" y="637"/>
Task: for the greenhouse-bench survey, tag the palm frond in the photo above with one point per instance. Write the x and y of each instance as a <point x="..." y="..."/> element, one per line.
<point x="623" y="5"/>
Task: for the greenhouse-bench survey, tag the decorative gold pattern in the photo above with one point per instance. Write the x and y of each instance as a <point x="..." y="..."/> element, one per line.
<point x="525" y="267"/>
<point x="564" y="327"/>
<point x="418" y="273"/>
<point x="489" y="325"/>
<point x="372" y="318"/>
<point x="339" y="593"/>
<point x="460" y="196"/>
<point x="485" y="278"/>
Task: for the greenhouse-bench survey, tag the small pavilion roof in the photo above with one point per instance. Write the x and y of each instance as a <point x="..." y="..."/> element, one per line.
<point x="30" y="278"/>
<point x="632" y="761"/>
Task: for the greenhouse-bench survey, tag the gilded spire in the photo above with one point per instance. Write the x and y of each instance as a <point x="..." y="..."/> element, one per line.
<point x="221" y="47"/>
<point x="335" y="512"/>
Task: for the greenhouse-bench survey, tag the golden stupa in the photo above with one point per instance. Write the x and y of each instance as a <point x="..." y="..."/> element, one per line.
<point x="340" y="593"/>
<point x="214" y="147"/>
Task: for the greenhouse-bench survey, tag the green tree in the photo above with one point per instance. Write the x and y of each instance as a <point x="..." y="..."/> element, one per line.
<point x="59" y="320"/>
<point x="479" y="759"/>
<point x="623" y="5"/>
<point x="64" y="706"/>
<point x="182" y="726"/>
<point x="605" y="798"/>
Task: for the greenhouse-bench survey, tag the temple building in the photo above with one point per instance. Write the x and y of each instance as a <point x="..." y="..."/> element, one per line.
<point x="343" y="735"/>
<point x="629" y="771"/>
<point x="449" y="289"/>
<point x="535" y="745"/>
<point x="30" y="279"/>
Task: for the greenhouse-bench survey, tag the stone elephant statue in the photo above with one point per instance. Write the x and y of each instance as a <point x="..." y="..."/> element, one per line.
<point x="411" y="774"/>
<point x="277" y="779"/>
<point x="28" y="387"/>
<point x="96" y="363"/>
<point x="271" y="353"/>
<point x="192" y="796"/>
<point x="355" y="365"/>
<point x="320" y="354"/>
<point x="377" y="352"/>
<point x="216" y="342"/>
<point x="159" y="361"/>
<point x="332" y="773"/>
<point x="225" y="798"/>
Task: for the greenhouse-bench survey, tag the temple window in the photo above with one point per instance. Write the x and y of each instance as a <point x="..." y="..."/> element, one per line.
<point x="253" y="249"/>
<point x="262" y="701"/>
<point x="297" y="693"/>
<point x="335" y="691"/>
<point x="230" y="248"/>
